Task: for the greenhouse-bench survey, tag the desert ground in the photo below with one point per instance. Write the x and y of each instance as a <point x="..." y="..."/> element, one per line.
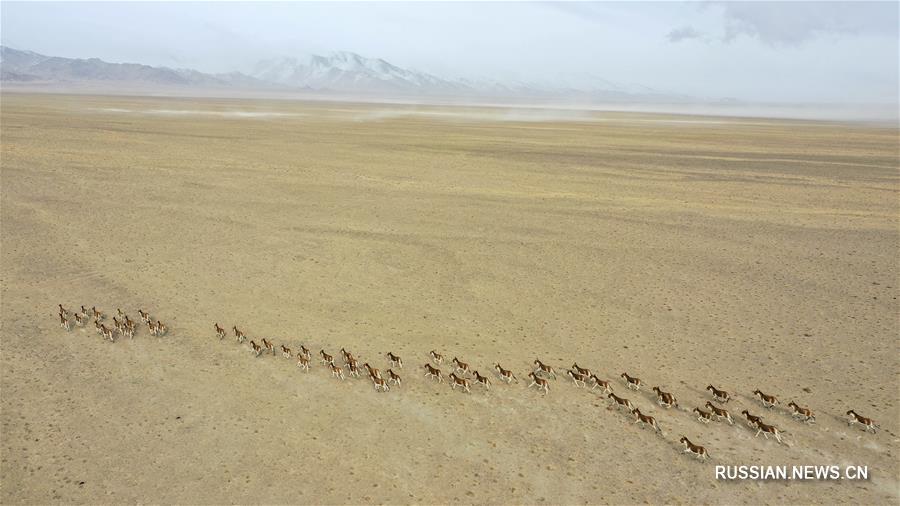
<point x="687" y="251"/>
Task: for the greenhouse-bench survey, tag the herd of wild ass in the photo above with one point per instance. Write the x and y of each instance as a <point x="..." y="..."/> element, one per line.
<point x="462" y="376"/>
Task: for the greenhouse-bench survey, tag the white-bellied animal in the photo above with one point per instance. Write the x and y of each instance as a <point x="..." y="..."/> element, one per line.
<point x="286" y="352"/>
<point x="238" y="334"/>
<point x="768" y="401"/>
<point x="337" y="372"/>
<point x="437" y="357"/>
<point x="703" y="416"/>
<point x="456" y="381"/>
<point x="255" y="348"/>
<point x="665" y="399"/>
<point x="719" y="395"/>
<point x="380" y="384"/>
<point x="220" y="332"/>
<point x="394" y="360"/>
<point x="697" y="450"/>
<point x="373" y="372"/>
<point x="461" y="366"/>
<point x="765" y="430"/>
<point x="645" y="419"/>
<point x="268" y="345"/>
<point x="506" y="374"/>
<point x="720" y="413"/>
<point x="631" y="381"/>
<point x="145" y="317"/>
<point x="581" y="370"/>
<point x="603" y="384"/>
<point x="482" y="380"/>
<point x="867" y="423"/>
<point x="326" y="358"/>
<point x="620" y="401"/>
<point x="353" y="368"/>
<point x="305" y="351"/>
<point x="433" y="372"/>
<point x="544" y="368"/>
<point x="393" y="377"/>
<point x="303" y="361"/>
<point x="804" y="414"/>
<point x="541" y="383"/>
<point x="64" y="322"/>
<point x="577" y="378"/>
<point x="752" y="420"/>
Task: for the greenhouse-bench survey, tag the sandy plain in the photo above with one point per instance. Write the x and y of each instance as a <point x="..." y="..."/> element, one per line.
<point x="684" y="250"/>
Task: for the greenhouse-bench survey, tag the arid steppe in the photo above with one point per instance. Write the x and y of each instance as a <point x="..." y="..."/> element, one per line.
<point x="745" y="253"/>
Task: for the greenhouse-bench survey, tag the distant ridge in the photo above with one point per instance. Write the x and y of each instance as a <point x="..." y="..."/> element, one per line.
<point x="28" y="66"/>
<point x="341" y="72"/>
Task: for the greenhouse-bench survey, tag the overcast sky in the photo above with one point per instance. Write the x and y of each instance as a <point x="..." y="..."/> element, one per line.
<point x="761" y="51"/>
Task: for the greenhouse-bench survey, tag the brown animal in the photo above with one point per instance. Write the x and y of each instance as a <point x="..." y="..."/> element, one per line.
<point x="380" y="384"/>
<point x="456" y="381"/>
<point x="268" y="345"/>
<point x="620" y="401"/>
<point x="577" y="378"/>
<point x="768" y="401"/>
<point x="720" y="413"/>
<point x="645" y="419"/>
<point x="437" y="357"/>
<point x="506" y="374"/>
<point x="804" y="414"/>
<point x="256" y="348"/>
<point x="541" y="383"/>
<point x="699" y="451"/>
<point x="868" y="423"/>
<point x="337" y="372"/>
<point x="765" y="430"/>
<point x="631" y="381"/>
<point x="304" y="351"/>
<point x="79" y="320"/>
<point x="752" y="420"/>
<point x="303" y="361"/>
<point x="433" y="372"/>
<point x="461" y="366"/>
<point x="326" y="358"/>
<point x="665" y="399"/>
<point x="393" y="377"/>
<point x="353" y="368"/>
<point x="238" y="334"/>
<point x="373" y="373"/>
<point x="286" y="352"/>
<point x="145" y="317"/>
<point x="395" y="360"/>
<point x="220" y="331"/>
<point x="96" y="314"/>
<point x="544" y="368"/>
<point x="600" y="383"/>
<point x="703" y="416"/>
<point x="64" y="322"/>
<point x="482" y="380"/>
<point x="581" y="370"/>
<point x="719" y="395"/>
<point x="63" y="312"/>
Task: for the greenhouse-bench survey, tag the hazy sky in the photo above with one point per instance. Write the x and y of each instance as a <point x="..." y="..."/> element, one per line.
<point x="763" y="51"/>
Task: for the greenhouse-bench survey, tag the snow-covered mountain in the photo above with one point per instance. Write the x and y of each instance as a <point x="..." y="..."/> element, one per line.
<point x="340" y="72"/>
<point x="350" y="72"/>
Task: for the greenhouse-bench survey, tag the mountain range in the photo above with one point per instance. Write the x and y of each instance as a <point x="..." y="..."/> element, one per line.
<point x="339" y="72"/>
